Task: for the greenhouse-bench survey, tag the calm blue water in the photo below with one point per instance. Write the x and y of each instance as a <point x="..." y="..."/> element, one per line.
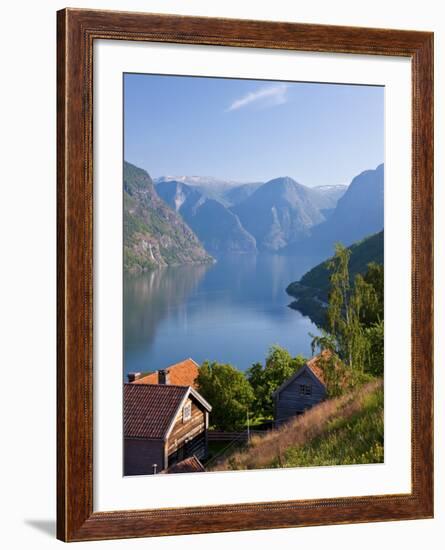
<point x="231" y="311"/>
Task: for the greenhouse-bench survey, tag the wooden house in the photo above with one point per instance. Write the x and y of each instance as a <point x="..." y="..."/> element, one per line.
<point x="184" y="373"/>
<point x="300" y="392"/>
<point x="163" y="425"/>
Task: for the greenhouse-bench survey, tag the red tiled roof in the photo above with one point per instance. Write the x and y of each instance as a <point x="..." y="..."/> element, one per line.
<point x="149" y="409"/>
<point x="151" y="378"/>
<point x="179" y="374"/>
<point x="191" y="464"/>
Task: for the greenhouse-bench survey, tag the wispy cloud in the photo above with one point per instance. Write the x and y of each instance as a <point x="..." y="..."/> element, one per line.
<point x="267" y="97"/>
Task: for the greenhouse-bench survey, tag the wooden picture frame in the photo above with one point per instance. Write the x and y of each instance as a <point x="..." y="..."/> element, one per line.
<point x="77" y="31"/>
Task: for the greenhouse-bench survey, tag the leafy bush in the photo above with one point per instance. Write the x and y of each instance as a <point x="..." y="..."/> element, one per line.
<point x="229" y="393"/>
<point x="280" y="365"/>
<point x="375" y="360"/>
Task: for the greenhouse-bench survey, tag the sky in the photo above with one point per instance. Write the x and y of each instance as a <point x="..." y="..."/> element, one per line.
<point x="252" y="130"/>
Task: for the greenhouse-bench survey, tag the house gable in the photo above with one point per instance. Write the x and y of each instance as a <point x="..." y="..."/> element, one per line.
<point x="196" y="401"/>
<point x="188" y="433"/>
<point x="297" y="394"/>
<point x="304" y="371"/>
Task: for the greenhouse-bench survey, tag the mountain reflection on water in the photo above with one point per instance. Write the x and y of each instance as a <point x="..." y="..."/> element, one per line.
<point x="231" y="311"/>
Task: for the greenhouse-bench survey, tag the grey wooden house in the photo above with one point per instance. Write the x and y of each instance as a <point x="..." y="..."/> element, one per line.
<point x="163" y="425"/>
<point x="300" y="392"/>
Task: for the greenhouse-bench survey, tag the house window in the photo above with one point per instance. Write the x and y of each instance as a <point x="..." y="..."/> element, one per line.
<point x="187" y="412"/>
<point x="305" y="389"/>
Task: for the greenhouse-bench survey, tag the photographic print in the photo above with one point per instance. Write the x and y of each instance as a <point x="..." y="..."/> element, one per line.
<point x="253" y="268"/>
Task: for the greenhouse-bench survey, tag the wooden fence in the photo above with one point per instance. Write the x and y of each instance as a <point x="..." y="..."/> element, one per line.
<point x="215" y="435"/>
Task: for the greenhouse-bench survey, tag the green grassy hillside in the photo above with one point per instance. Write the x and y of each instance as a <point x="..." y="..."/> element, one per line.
<point x="344" y="430"/>
<point x="357" y="439"/>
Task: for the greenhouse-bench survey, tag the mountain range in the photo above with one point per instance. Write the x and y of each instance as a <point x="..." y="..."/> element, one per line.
<point x="226" y="192"/>
<point x="193" y="217"/>
<point x="216" y="226"/>
<point x="248" y="217"/>
<point x="281" y="212"/>
<point x="358" y="213"/>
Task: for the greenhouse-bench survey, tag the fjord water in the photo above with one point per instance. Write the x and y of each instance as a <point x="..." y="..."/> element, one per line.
<point x="231" y="311"/>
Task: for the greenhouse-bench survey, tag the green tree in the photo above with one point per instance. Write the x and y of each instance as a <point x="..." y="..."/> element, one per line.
<point x="345" y="337"/>
<point x="375" y="359"/>
<point x="345" y="310"/>
<point x="279" y="366"/>
<point x="228" y="392"/>
<point x="372" y="294"/>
